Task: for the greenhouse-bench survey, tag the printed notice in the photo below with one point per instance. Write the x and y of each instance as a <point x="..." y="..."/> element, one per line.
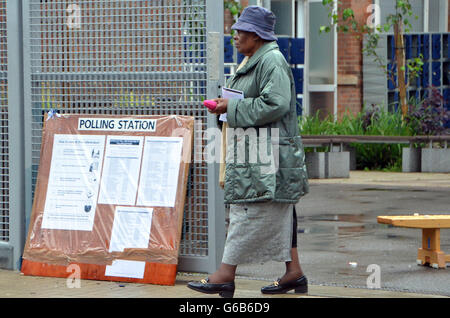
<point x="73" y="182"/>
<point x="131" y="228"/>
<point x="125" y="268"/>
<point x="229" y="94"/>
<point x="121" y="170"/>
<point x="160" y="167"/>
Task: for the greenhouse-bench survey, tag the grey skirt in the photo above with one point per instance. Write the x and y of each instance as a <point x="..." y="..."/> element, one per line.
<point x="259" y="232"/>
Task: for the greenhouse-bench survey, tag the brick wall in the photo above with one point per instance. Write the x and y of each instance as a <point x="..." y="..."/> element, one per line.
<point x="228" y="19"/>
<point x="227" y="22"/>
<point x="350" y="89"/>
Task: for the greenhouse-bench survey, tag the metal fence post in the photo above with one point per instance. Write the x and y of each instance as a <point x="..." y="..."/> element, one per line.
<point x="215" y="52"/>
<point x="16" y="130"/>
<point x="215" y="205"/>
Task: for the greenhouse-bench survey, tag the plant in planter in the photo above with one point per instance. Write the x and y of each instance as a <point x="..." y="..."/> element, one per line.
<point x="429" y="117"/>
<point x="371" y="115"/>
<point x="373" y="121"/>
<point x="379" y="122"/>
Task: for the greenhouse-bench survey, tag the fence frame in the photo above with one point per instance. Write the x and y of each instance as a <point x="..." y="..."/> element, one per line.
<point x="11" y="251"/>
<point x="21" y="134"/>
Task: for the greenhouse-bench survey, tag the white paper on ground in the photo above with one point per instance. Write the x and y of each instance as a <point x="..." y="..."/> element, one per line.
<point x="160" y="167"/>
<point x="126" y="268"/>
<point x="73" y="182"/>
<point x="121" y="170"/>
<point x="131" y="228"/>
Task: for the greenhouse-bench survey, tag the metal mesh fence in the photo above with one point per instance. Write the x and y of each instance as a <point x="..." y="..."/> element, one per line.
<point x="4" y="143"/>
<point x="123" y="57"/>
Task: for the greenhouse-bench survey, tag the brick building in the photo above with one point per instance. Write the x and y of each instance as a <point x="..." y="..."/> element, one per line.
<point x="339" y="88"/>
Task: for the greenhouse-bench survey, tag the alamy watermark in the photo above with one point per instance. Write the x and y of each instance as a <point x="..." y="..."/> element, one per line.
<point x="374" y="279"/>
<point x="74" y="279"/>
<point x="74" y="16"/>
<point x="250" y="145"/>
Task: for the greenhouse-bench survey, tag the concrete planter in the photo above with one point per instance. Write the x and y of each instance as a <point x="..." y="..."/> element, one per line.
<point x="411" y="159"/>
<point x="315" y="164"/>
<point x="337" y="164"/>
<point x="435" y="160"/>
<point x="322" y="165"/>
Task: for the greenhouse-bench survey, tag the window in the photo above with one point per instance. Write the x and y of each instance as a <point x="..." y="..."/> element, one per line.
<point x="432" y="14"/>
<point x="321" y="62"/>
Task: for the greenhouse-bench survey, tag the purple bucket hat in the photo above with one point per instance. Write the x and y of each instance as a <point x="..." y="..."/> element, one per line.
<point x="258" y="20"/>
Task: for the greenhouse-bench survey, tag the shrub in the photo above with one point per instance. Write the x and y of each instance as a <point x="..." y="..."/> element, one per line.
<point x="378" y="122"/>
<point x="429" y="117"/>
<point x="373" y="121"/>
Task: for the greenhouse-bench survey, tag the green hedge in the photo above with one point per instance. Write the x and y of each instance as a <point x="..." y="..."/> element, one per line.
<point x="376" y="123"/>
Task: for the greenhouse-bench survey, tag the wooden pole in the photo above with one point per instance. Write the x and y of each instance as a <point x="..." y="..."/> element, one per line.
<point x="223" y="150"/>
<point x="400" y="57"/>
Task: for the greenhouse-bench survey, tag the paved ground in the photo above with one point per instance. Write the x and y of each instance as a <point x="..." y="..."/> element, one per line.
<point x="337" y="225"/>
<point x="13" y="284"/>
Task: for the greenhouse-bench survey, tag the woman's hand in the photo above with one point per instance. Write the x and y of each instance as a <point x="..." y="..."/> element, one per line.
<point x="222" y="104"/>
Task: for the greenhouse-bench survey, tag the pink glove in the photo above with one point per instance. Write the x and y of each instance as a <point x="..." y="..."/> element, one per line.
<point x="210" y="104"/>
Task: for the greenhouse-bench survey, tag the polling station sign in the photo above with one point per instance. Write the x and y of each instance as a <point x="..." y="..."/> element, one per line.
<point x="110" y="197"/>
<point x="117" y="124"/>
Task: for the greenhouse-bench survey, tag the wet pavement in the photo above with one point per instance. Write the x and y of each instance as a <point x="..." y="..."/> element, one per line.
<point x="339" y="236"/>
<point x="338" y="239"/>
<point x="15" y="285"/>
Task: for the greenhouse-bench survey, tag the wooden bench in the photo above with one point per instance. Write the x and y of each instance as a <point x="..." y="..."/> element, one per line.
<point x="430" y="253"/>
<point x="325" y="140"/>
<point x="316" y="141"/>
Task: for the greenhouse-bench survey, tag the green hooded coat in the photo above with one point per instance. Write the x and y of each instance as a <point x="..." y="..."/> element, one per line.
<point x="278" y="173"/>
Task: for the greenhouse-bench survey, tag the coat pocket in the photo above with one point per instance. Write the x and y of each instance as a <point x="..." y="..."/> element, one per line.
<point x="292" y="183"/>
<point x="290" y="152"/>
<point x="292" y="179"/>
<point x="247" y="183"/>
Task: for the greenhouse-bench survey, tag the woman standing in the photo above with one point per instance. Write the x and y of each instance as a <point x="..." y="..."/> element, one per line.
<point x="262" y="215"/>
